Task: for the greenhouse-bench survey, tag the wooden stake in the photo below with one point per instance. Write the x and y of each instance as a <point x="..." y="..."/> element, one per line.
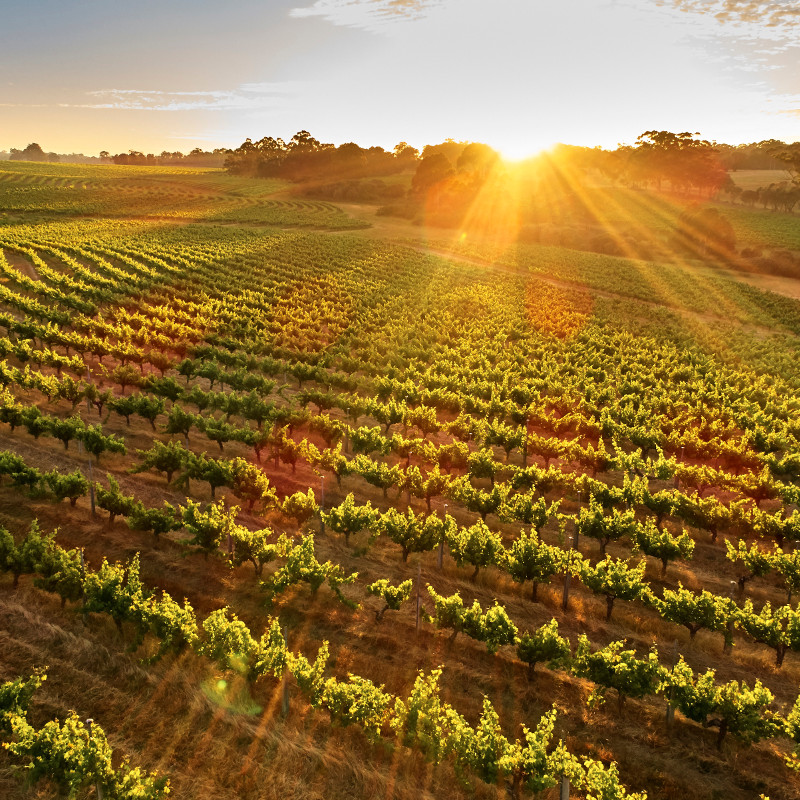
<point x="670" y="707"/>
<point x="91" y="487"/>
<point x="98" y="787"/>
<point x="565" y="598"/>
<point x="322" y="507"/>
<point x="285" y="686"/>
<point x="440" y="556"/>
<point x="419" y="600"/>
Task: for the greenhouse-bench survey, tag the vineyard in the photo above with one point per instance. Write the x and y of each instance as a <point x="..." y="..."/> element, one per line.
<point x="292" y="511"/>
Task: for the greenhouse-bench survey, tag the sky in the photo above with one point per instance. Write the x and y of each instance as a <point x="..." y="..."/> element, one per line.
<point x="520" y="75"/>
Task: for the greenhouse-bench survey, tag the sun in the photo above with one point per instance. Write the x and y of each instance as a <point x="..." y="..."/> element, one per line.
<point x="523" y="148"/>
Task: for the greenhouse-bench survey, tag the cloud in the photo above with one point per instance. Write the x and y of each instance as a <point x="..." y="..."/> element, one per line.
<point x="247" y="97"/>
<point x="372" y="14"/>
<point x="779" y="14"/>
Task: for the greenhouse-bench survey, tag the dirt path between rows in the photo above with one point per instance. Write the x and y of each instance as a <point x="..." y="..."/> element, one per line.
<point x="21" y="264"/>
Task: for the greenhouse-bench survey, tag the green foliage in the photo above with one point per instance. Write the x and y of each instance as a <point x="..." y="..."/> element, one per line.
<point x="252" y="546"/>
<point x="778" y="629"/>
<point x="592" y="522"/>
<point x="755" y="562"/>
<point x="531" y="559"/>
<point x="301" y="566"/>
<point x="167" y="458"/>
<point x="65" y="430"/>
<point x="116" y="590"/>
<point x="173" y="625"/>
<point x="210" y="526"/>
<point x="96" y="442"/>
<point x="493" y="627"/>
<point x="228" y="642"/>
<point x="251" y="485"/>
<point x="357" y="701"/>
<point x="696" y="611"/>
<point x="366" y="440"/>
<point x="25" y="557"/>
<point x="75" y="757"/>
<point x="476" y="545"/>
<point x="16" y="696"/>
<point x="376" y="473"/>
<point x="792" y="728"/>
<point x="60" y="571"/>
<point x="523" y="508"/>
<point x="615" y="578"/>
<point x="414" y="533"/>
<point x="71" y="485"/>
<point x="426" y="722"/>
<point x="611" y="667"/>
<point x="544" y="645"/>
<point x="158" y="520"/>
<point x="348" y="518"/>
<point x="393" y="596"/>
<point x="477" y="500"/>
<point x="661" y="544"/>
<point x="300" y="506"/>
<point x="114" y="500"/>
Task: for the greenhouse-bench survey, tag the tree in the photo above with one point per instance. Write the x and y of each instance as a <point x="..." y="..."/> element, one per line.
<point x="482" y="464"/>
<point x="788" y="564"/>
<point x="544" y="644"/>
<point x="611" y="667"/>
<point x="158" y="520"/>
<point x="167" y="458"/>
<point x="476" y="545"/>
<point x="71" y="485"/>
<point x="696" y="611"/>
<point x="115" y="589"/>
<point x="779" y="629"/>
<point x="755" y="562"/>
<point x="414" y="533"/>
<point x="393" y="596"/>
<point x="376" y="473"/>
<point x="24" y="557"/>
<point x="179" y="421"/>
<point x="149" y="408"/>
<point x="521" y="507"/>
<point x="477" y="500"/>
<point x="432" y="171"/>
<point x="494" y="627"/>
<point x="661" y="544"/>
<point x="96" y="442"/>
<point x="301" y="566"/>
<point x="208" y="527"/>
<point x="61" y="572"/>
<point x="593" y="523"/>
<point x="35" y="422"/>
<point x="348" y="518"/>
<point x="250" y="484"/>
<point x="615" y="578"/>
<point x="366" y="440"/>
<point x="33" y="152"/>
<point x="531" y="559"/>
<point x="65" y="430"/>
<point x="252" y="546"/>
<point x="114" y="500"/>
<point x="744" y="712"/>
<point x="300" y="506"/>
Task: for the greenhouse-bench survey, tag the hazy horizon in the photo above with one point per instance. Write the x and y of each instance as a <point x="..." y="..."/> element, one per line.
<point x="105" y="76"/>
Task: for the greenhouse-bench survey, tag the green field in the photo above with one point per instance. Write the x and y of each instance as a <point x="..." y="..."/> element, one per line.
<point x="326" y="404"/>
